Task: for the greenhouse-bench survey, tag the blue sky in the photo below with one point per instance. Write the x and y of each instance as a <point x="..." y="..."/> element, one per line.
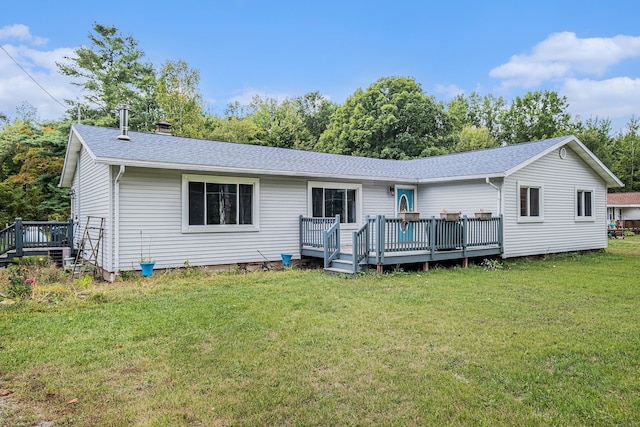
<point x="588" y="51"/>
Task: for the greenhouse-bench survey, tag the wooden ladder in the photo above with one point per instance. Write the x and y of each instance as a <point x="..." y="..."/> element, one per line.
<point x="91" y="244"/>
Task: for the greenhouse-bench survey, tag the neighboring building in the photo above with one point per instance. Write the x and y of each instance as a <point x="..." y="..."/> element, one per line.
<point x="624" y="212"/>
<point x="623" y="206"/>
<point x="214" y="203"/>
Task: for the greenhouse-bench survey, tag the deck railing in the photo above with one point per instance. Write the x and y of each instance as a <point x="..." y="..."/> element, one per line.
<point x="361" y="244"/>
<point x="437" y="234"/>
<point x="8" y="239"/>
<point x="312" y="231"/>
<point x="331" y="239"/>
<point x="380" y="236"/>
<point x="23" y="235"/>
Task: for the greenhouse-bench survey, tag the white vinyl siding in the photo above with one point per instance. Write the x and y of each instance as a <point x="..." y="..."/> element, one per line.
<point x="377" y="200"/>
<point x="466" y="197"/>
<point x="559" y="232"/>
<point x="91" y="185"/>
<point x="151" y="202"/>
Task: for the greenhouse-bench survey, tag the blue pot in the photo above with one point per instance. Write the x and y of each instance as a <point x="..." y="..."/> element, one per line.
<point x="147" y="268"/>
<point x="286" y="259"/>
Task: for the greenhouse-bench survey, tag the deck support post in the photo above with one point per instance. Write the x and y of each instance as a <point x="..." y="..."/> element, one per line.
<point x="19" y="237"/>
<point x="380" y="269"/>
<point x="425" y="266"/>
<point x="465" y="262"/>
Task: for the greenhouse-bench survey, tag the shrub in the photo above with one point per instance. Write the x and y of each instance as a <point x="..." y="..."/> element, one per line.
<point x="20" y="284"/>
<point x="491" y="264"/>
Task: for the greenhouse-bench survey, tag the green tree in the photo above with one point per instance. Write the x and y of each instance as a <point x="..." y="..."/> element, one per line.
<point x="537" y="115"/>
<point x="111" y="73"/>
<point x="595" y="134"/>
<point x="315" y="112"/>
<point x="476" y="111"/>
<point x="473" y="138"/>
<point x="263" y="112"/>
<point x="392" y="118"/>
<point x="232" y="129"/>
<point x="178" y="96"/>
<point x="32" y="157"/>
<point x="627" y="145"/>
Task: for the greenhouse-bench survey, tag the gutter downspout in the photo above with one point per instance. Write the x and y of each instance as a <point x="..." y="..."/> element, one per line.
<point x="116" y="221"/>
<point x="501" y="232"/>
<point x="499" y="190"/>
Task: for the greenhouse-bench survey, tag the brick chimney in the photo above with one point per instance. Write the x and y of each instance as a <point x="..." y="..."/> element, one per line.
<point x="163" y="128"/>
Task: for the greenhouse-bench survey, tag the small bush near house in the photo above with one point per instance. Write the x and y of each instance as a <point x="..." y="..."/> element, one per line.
<point x="21" y="284"/>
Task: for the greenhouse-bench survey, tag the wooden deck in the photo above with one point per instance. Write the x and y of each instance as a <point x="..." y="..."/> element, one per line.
<point x="34" y="238"/>
<point x="391" y="241"/>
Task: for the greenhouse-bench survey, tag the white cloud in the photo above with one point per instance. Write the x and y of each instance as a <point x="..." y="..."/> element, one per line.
<point x="616" y="98"/>
<point x="16" y="85"/>
<point x="564" y="55"/>
<point x="449" y="91"/>
<point x="21" y="33"/>
<point x="245" y="96"/>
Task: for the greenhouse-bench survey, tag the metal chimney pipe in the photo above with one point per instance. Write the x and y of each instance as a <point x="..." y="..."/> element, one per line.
<point x="124" y="123"/>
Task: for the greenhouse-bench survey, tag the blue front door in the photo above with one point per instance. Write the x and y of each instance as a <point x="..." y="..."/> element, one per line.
<point x="404" y="203"/>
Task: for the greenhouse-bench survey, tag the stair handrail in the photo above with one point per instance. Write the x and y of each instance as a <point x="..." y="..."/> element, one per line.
<point x="360" y="245"/>
<point x="7" y="239"/>
<point x="331" y="245"/>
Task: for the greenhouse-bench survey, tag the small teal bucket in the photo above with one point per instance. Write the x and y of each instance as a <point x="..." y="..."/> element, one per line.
<point x="147" y="268"/>
<point x="286" y="259"/>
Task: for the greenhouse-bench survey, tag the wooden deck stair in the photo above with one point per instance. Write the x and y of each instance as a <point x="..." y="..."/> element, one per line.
<point x="343" y="264"/>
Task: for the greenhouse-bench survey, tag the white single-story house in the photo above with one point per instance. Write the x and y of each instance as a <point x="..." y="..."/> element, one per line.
<point x="180" y="200"/>
<point x="624" y="211"/>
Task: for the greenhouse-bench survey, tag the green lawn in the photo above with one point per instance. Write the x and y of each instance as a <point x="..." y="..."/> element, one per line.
<point x="553" y="341"/>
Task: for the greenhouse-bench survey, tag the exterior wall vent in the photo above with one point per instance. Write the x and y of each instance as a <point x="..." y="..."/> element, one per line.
<point x="124" y="123"/>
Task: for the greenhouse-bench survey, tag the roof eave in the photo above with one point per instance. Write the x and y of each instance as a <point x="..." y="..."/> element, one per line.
<point x="70" y="159"/>
<point x="460" y="178"/>
<point x="244" y="171"/>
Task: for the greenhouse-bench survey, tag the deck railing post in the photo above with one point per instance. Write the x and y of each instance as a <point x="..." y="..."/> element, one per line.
<point x="300" y="234"/>
<point x="381" y="243"/>
<point x="70" y="233"/>
<point x="500" y="234"/>
<point x="356" y="252"/>
<point x="465" y="228"/>
<point x="19" y="237"/>
<point x="338" y="233"/>
<point x="326" y="249"/>
<point x="432" y="236"/>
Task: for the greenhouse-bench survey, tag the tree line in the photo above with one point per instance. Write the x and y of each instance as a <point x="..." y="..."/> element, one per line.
<point x="392" y="118"/>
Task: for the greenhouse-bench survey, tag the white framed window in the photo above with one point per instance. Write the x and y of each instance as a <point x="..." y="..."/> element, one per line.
<point x="328" y="199"/>
<point x="585" y="204"/>
<point x="219" y="203"/>
<point x="530" y="202"/>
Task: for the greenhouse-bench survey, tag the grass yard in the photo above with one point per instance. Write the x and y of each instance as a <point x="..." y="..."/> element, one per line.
<point x="543" y="342"/>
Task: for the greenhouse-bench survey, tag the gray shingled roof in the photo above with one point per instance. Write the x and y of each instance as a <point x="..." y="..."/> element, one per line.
<point x="154" y="150"/>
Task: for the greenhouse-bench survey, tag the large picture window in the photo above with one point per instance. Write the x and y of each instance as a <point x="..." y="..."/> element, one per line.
<point x="219" y="202"/>
<point x="331" y="199"/>
<point x="584" y="204"/>
<point x="530" y="207"/>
